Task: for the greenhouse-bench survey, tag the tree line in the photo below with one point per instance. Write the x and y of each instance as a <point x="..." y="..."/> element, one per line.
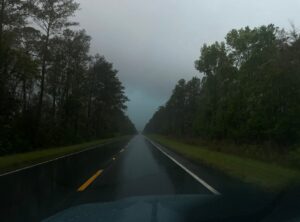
<point x="249" y="93"/>
<point x="52" y="91"/>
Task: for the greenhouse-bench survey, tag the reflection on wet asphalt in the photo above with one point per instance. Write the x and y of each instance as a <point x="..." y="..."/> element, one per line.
<point x="140" y="170"/>
<point x="137" y="170"/>
<point x="40" y="191"/>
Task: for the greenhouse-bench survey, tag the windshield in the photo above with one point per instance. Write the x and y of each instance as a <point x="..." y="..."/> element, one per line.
<point x="149" y="110"/>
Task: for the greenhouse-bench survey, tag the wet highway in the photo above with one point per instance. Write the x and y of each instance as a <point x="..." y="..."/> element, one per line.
<point x="108" y="173"/>
<point x="140" y="170"/>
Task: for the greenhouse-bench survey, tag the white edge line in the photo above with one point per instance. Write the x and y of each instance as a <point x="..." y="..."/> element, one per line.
<point x="52" y="160"/>
<point x="206" y="185"/>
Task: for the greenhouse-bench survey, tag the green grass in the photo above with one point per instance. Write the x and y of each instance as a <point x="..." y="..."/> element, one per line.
<point x="15" y="161"/>
<point x="269" y="176"/>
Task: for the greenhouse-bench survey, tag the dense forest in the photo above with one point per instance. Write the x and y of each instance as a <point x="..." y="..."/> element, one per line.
<point x="249" y="92"/>
<point x="52" y="91"/>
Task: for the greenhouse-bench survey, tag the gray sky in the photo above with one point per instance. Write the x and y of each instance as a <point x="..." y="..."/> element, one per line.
<point x="154" y="43"/>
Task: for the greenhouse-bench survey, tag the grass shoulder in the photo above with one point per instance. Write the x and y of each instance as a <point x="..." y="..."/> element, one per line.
<point x="270" y="176"/>
<point x="15" y="161"/>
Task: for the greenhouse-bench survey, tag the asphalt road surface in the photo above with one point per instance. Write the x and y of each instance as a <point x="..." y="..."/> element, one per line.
<point x="107" y="173"/>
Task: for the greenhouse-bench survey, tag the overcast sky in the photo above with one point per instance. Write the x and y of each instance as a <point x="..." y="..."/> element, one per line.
<point x="154" y="43"/>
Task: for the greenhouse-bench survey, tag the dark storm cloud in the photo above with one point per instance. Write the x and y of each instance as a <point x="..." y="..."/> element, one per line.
<point x="154" y="43"/>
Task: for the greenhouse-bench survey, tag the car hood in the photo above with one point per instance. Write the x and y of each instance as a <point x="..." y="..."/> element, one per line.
<point x="173" y="209"/>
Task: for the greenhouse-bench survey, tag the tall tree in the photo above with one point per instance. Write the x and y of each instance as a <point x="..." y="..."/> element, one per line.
<point x="106" y="97"/>
<point x="51" y="92"/>
<point x="52" y="16"/>
<point x="248" y="93"/>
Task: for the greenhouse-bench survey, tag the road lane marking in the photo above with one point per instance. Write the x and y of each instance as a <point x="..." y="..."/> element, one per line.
<point x="206" y="185"/>
<point x="89" y="181"/>
<point x="52" y="160"/>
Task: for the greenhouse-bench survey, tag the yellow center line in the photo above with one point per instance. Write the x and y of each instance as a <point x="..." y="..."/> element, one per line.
<point x="89" y="181"/>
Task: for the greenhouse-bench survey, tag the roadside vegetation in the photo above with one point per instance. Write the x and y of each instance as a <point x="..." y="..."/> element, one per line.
<point x="267" y="175"/>
<point x="15" y="161"/>
<point x="249" y="92"/>
<point x="53" y="92"/>
<point x="245" y="106"/>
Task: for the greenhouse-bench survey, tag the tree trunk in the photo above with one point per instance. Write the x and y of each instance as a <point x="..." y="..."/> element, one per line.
<point x="54" y="106"/>
<point x="24" y="97"/>
<point x="1" y="20"/>
<point x="90" y="102"/>
<point x="42" y="88"/>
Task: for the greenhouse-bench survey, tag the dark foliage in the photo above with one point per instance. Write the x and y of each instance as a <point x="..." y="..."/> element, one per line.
<point x="250" y="91"/>
<point x="52" y="92"/>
